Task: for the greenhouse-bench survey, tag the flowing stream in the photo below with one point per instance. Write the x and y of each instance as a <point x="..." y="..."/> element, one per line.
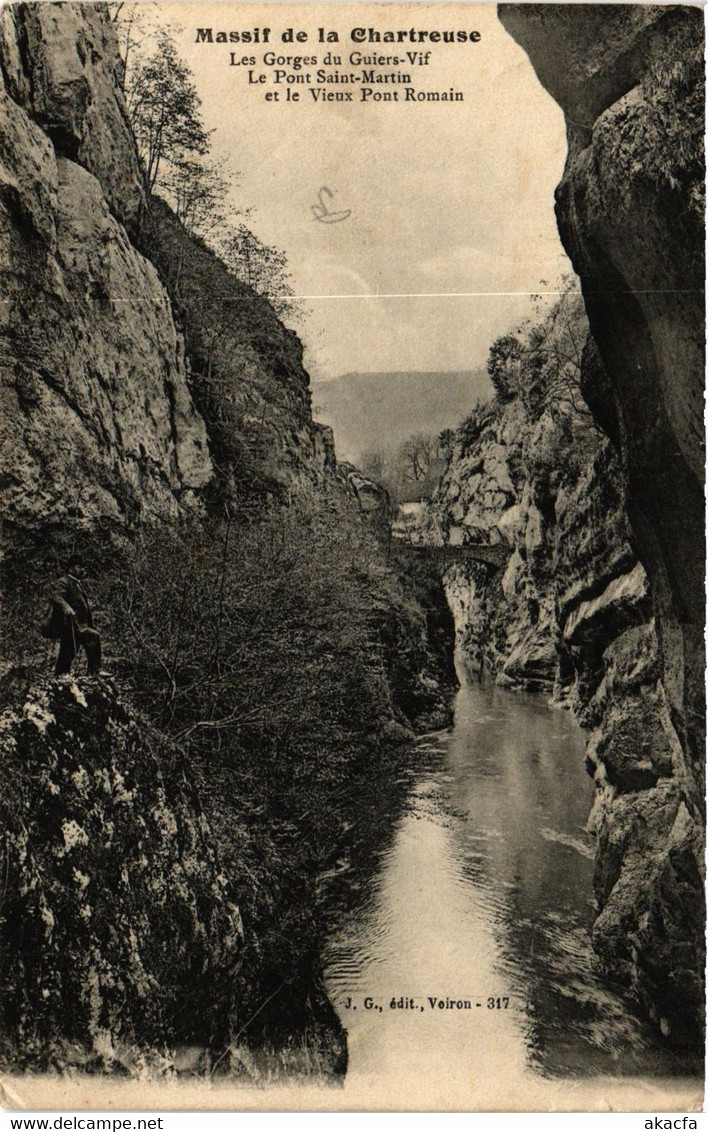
<point x="481" y="898"/>
<point x="467" y="879"/>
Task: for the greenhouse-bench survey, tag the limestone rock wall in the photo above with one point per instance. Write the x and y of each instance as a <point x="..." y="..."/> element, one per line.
<point x="571" y="615"/>
<point x="60" y="63"/>
<point x="630" y="211"/>
<point x="625" y="541"/>
<point x="97" y="418"/>
<point x="136" y="374"/>
<point x="122" y="938"/>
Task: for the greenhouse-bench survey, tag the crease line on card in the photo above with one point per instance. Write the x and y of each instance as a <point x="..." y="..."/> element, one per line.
<point x="430" y="295"/>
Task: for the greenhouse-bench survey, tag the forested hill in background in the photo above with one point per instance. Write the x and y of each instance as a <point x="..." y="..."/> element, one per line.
<point x="369" y="410"/>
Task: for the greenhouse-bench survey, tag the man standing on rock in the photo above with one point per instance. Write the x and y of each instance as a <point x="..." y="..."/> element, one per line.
<point x="70" y="622"/>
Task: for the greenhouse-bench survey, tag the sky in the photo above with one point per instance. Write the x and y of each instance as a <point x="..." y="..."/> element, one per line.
<point x="451" y="203"/>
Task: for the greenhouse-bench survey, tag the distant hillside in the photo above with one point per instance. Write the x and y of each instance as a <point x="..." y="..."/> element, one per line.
<point x="371" y="409"/>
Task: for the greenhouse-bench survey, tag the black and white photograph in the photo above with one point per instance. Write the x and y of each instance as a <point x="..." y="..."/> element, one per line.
<point x="352" y="663"/>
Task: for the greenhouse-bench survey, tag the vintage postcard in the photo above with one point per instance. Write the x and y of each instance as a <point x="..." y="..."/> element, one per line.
<point x="352" y="680"/>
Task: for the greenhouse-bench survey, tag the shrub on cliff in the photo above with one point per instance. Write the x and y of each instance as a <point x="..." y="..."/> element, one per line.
<point x="280" y="660"/>
<point x="276" y="653"/>
<point x="256" y="637"/>
<point x="504" y="366"/>
<point x="246" y="373"/>
<point x="284" y="658"/>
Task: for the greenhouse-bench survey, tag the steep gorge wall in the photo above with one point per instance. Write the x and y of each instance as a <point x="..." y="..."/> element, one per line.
<point x="155" y="417"/>
<point x="123" y="937"/>
<point x="630" y="211"/>
<point x="570" y="615"/>
<point x="99" y="359"/>
<point x="125" y="940"/>
<point x="544" y="484"/>
<point x="246" y="372"/>
<point x="603" y="595"/>
<point x="93" y="365"/>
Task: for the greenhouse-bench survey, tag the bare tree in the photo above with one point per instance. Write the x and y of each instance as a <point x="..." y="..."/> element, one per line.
<point x="134" y="24"/>
<point x="197" y="189"/>
<point x="376" y="464"/>
<point x="164" y="110"/>
<point x="261" y="267"/>
<point x="416" y="454"/>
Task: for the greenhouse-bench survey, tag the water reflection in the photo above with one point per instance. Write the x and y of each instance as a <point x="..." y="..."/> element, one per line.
<point x="482" y="893"/>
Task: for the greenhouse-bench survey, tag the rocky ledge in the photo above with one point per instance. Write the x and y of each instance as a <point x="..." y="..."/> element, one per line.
<point x="122" y="934"/>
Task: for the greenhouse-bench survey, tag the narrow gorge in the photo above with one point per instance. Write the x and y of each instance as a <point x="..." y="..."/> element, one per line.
<point x="279" y="797"/>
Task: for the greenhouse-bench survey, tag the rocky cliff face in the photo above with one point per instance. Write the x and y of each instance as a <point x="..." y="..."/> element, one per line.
<point x="630" y="213"/>
<point x="101" y="363"/>
<point x="245" y="371"/>
<point x="571" y="615"/>
<point x="97" y="417"/>
<point x="122" y="936"/>
<point x="124" y="941"/>
<point x="606" y="569"/>
<point x="156" y="419"/>
<point x="534" y="476"/>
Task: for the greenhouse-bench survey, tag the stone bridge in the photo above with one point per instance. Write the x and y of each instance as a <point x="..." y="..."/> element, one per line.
<point x="496" y="555"/>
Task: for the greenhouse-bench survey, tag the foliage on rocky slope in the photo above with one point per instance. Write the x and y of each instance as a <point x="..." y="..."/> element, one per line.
<point x="283" y="664"/>
<point x="140" y="376"/>
<point x="156" y="419"/>
<point x="245" y="371"/>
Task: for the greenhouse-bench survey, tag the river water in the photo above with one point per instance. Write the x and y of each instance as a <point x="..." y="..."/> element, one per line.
<point x="467" y="877"/>
<point x="482" y="895"/>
